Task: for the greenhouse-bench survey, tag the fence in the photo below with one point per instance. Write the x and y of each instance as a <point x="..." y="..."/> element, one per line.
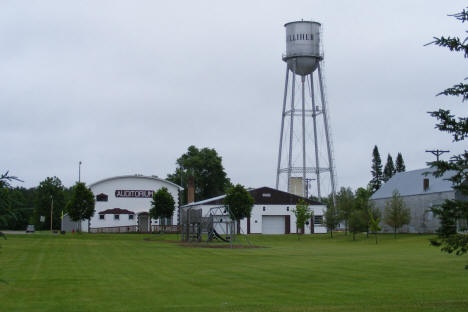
<point x="134" y="229"/>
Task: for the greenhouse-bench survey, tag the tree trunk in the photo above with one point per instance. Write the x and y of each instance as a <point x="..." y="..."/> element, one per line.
<point x="331" y="233"/>
<point x="354" y="236"/>
<point x="376" y="238"/>
<point x="394" y="232"/>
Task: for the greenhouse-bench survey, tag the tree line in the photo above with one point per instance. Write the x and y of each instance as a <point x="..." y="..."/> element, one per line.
<point x="358" y="214"/>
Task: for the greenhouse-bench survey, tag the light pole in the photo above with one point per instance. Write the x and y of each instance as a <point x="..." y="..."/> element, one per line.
<point x="51" y="211"/>
<point x="79" y="171"/>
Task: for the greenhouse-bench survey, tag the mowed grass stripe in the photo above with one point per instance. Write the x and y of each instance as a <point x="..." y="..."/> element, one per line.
<point x="126" y="273"/>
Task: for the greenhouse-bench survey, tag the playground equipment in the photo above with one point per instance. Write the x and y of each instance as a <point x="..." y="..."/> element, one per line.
<point x="216" y="224"/>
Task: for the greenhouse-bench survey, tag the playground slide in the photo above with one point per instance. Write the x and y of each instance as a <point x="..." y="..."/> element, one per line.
<point x="219" y="236"/>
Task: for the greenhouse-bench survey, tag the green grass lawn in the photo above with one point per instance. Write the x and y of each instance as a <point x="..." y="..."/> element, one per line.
<point x="103" y="272"/>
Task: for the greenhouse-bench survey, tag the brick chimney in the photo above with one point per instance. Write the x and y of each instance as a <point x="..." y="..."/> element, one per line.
<point x="191" y="190"/>
<point x="425" y="184"/>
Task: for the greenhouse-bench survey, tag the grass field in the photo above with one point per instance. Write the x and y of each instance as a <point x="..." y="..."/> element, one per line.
<point x="44" y="272"/>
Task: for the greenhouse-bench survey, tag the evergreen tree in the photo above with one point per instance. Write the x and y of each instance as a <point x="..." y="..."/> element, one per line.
<point x="389" y="169"/>
<point x="400" y="164"/>
<point x="452" y="212"/>
<point x="376" y="170"/>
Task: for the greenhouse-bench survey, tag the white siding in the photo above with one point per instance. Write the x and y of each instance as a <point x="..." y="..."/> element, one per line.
<point x="136" y="205"/>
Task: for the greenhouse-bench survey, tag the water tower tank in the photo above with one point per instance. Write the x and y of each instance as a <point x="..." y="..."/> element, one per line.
<point x="302" y="46"/>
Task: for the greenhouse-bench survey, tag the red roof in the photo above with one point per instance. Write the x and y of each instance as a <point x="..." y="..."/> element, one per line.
<point x="116" y="211"/>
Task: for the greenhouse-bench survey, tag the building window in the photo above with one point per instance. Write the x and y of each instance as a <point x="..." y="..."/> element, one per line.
<point x="130" y="217"/>
<point x="318" y="220"/>
<point x="101" y="217"/>
<point x="264" y="208"/>
<point x="287" y="208"/>
<point x="116" y="217"/>
<point x="101" y="197"/>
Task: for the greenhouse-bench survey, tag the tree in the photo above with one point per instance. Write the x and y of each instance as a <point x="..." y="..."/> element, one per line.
<point x="8" y="214"/>
<point x="205" y="165"/>
<point x="357" y="222"/>
<point x="162" y="205"/>
<point x="452" y="212"/>
<point x="239" y="201"/>
<point x="345" y="204"/>
<point x="396" y="214"/>
<point x="389" y="169"/>
<point x="332" y="215"/>
<point x="49" y="189"/>
<point x="302" y="213"/>
<point x="374" y="223"/>
<point x="400" y="164"/>
<point x="376" y="170"/>
<point x="81" y="204"/>
<point x="363" y="203"/>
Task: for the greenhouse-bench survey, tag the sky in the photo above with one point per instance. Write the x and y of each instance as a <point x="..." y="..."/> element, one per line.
<point x="126" y="87"/>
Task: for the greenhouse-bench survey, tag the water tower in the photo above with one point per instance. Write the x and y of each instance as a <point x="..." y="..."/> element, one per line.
<point x="304" y="123"/>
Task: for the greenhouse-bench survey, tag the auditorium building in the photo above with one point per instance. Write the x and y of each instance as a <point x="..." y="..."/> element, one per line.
<point x="123" y="204"/>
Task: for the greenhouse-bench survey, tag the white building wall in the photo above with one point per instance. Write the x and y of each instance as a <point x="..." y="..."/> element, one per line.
<point x="134" y="204"/>
<point x="273" y="210"/>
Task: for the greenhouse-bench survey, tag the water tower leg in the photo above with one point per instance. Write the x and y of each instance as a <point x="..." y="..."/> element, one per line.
<point x="314" y="117"/>
<point x="282" y="126"/>
<point x="303" y="139"/>
<point x="291" y="129"/>
<point x="325" y="121"/>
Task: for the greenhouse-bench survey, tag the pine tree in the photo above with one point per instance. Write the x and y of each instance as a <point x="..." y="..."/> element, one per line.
<point x="389" y="169"/>
<point x="376" y="171"/>
<point x="452" y="212"/>
<point x="400" y="164"/>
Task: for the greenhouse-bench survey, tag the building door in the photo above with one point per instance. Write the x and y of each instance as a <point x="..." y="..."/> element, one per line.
<point x="143" y="222"/>
<point x="273" y="224"/>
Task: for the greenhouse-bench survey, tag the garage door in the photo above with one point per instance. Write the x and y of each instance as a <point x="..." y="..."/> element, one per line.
<point x="273" y="225"/>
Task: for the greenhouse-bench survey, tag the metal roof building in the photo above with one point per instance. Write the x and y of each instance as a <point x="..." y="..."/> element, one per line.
<point x="420" y="191"/>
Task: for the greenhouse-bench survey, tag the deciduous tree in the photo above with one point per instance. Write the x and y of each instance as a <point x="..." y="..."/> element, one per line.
<point x="345" y="204"/>
<point x="239" y="201"/>
<point x="332" y="215"/>
<point x="302" y="213"/>
<point x="396" y="214"/>
<point x="374" y="223"/>
<point x="205" y="165"/>
<point x="81" y="204"/>
<point x="162" y="205"/>
<point x="49" y="189"/>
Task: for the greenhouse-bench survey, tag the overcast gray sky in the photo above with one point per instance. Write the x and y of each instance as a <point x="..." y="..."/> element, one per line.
<point x="127" y="86"/>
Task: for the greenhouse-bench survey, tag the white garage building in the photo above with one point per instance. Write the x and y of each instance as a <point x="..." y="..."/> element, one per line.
<point x="272" y="212"/>
<point x="123" y="204"/>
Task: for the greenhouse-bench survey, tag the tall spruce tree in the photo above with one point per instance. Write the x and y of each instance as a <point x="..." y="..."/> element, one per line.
<point x="389" y="169"/>
<point x="400" y="164"/>
<point x="453" y="212"/>
<point x="376" y="170"/>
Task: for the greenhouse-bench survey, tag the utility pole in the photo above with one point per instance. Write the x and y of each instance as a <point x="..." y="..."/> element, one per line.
<point x="51" y="211"/>
<point x="79" y="171"/>
<point x="437" y="152"/>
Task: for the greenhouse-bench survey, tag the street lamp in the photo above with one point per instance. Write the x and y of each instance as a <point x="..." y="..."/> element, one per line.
<point x="79" y="171"/>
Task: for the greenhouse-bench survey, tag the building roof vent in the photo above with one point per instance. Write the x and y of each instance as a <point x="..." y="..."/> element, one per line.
<point x="426" y="184"/>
